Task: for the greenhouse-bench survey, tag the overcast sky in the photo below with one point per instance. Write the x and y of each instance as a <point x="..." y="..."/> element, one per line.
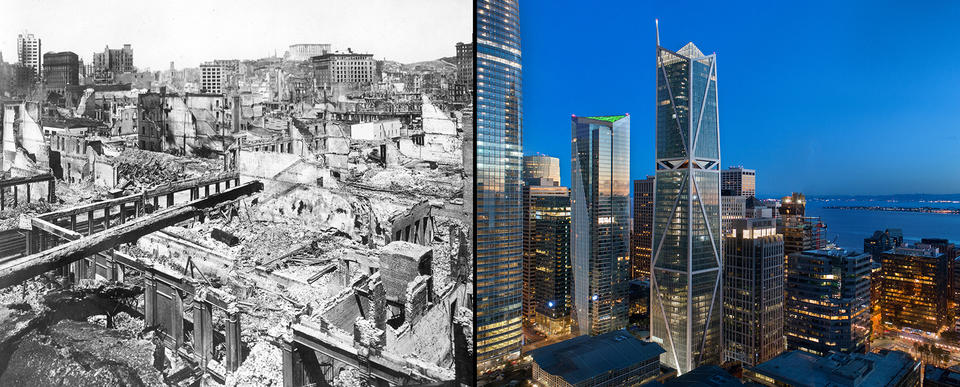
<point x="189" y="32"/>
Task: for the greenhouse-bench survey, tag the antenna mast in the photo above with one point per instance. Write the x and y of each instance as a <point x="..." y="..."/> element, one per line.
<point x="656" y="22"/>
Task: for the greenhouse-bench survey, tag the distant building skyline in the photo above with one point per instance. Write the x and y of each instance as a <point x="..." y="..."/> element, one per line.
<point x="190" y="37"/>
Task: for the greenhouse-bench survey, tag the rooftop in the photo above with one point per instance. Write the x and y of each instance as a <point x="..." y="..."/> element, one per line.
<point x="800" y="368"/>
<point x="690" y="50"/>
<point x="702" y="376"/>
<point x="918" y="250"/>
<point x="584" y="357"/>
<point x="607" y="118"/>
<point x="940" y="375"/>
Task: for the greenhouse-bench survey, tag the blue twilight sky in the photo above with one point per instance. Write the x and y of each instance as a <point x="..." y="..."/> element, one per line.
<point x="819" y="97"/>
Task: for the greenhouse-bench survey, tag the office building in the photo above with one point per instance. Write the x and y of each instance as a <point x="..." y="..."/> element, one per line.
<point x="914" y="292"/>
<point x="546" y="258"/>
<point x="600" y="218"/>
<point x="28" y="53"/>
<point x="611" y="359"/>
<point x="541" y="167"/>
<point x="702" y="376"/>
<point x="952" y="253"/>
<point x="112" y="62"/>
<point x="211" y="78"/>
<point x="349" y="67"/>
<point x="739" y="181"/>
<point x="642" y="237"/>
<point x="685" y="282"/>
<point x="463" y="88"/>
<point x="752" y="291"/>
<point x="797" y="368"/>
<point x="882" y="241"/>
<point x="640" y="303"/>
<point x="827" y="301"/>
<point x="60" y="69"/>
<point x="940" y="377"/>
<point x="800" y="232"/>
<point x="795" y="205"/>
<point x="498" y="203"/>
<point x="876" y="293"/>
<point x="732" y="208"/>
<point x="305" y="51"/>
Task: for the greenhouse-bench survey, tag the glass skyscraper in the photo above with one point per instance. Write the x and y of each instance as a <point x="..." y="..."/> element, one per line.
<point x="498" y="202"/>
<point x="600" y="218"/>
<point x="685" y="292"/>
<point x="546" y="257"/>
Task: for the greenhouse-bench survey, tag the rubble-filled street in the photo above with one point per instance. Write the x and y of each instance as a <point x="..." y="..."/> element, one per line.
<point x="280" y="225"/>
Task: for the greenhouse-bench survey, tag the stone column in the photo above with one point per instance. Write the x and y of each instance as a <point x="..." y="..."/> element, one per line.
<point x="149" y="299"/>
<point x="202" y="331"/>
<point x="233" y="344"/>
<point x="292" y="366"/>
<point x="176" y="323"/>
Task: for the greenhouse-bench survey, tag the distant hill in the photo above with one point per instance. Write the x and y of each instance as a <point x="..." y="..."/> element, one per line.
<point x="433" y="65"/>
<point x="903" y="197"/>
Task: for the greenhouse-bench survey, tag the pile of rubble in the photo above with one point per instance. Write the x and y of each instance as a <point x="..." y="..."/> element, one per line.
<point x="263" y="367"/>
<point x="149" y="169"/>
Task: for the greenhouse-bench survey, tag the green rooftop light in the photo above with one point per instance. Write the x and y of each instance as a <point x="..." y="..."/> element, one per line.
<point x="606" y="118"/>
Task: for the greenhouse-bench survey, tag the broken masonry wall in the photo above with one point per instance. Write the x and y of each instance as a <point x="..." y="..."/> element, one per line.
<point x="31" y="135"/>
<point x="10" y="112"/>
<point x="283" y="168"/>
<point x="343" y="314"/>
<point x="73" y="157"/>
<point x="415" y="226"/>
<point x="178" y="250"/>
<point x="376" y="131"/>
<point x="336" y="145"/>
<point x="104" y="173"/>
<point x="400" y="263"/>
<point x="313" y="208"/>
<point x="416" y="299"/>
<point x="431" y="338"/>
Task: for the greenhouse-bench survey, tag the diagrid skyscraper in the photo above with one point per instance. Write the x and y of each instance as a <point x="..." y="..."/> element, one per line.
<point x="685" y="291"/>
<point x="600" y="222"/>
<point x="498" y="202"/>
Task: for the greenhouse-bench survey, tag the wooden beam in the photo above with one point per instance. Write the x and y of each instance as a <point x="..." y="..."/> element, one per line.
<point x="25" y="180"/>
<point x="89" y="207"/>
<point x="58" y="231"/>
<point x="15" y="271"/>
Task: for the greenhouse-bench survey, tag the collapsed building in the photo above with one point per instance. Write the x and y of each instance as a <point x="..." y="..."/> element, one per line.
<point x="349" y="264"/>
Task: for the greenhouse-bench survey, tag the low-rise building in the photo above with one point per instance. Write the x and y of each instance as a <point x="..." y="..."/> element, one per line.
<point x="349" y="67"/>
<point x="614" y="358"/>
<point x="940" y="377"/>
<point x="801" y="369"/>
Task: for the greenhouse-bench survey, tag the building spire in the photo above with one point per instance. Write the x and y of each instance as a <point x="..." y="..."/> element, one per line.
<point x="656" y="22"/>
